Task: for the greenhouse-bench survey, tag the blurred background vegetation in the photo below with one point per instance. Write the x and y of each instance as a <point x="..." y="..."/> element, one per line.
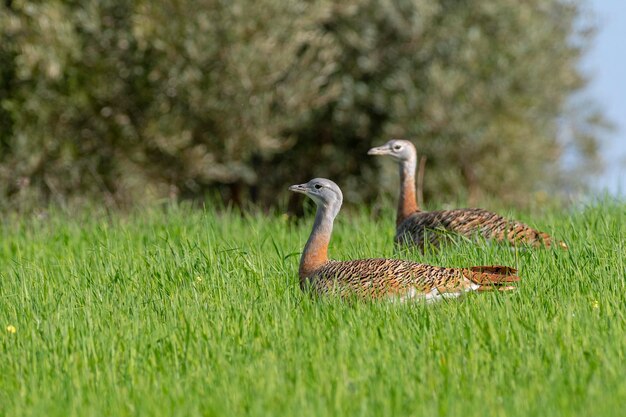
<point x="120" y="102"/>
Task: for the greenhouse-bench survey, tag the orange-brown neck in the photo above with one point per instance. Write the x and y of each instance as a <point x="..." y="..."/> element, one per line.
<point x="315" y="252"/>
<point x="407" y="204"/>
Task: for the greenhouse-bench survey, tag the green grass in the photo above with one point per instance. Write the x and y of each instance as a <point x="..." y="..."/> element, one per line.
<point x="176" y="312"/>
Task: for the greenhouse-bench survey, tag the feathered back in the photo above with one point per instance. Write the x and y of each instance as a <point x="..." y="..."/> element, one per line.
<point x="432" y="226"/>
<point x="376" y="278"/>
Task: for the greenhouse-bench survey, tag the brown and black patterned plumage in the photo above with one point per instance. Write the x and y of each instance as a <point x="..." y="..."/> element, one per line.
<point x="382" y="278"/>
<point x="416" y="227"/>
<point x="434" y="226"/>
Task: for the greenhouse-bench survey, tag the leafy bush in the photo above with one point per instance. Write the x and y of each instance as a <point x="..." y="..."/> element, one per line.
<point x="127" y="101"/>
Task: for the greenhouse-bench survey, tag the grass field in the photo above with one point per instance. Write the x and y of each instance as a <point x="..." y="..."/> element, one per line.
<point x="181" y="312"/>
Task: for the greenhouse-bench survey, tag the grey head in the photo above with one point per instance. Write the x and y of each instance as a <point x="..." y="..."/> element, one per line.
<point x="324" y="192"/>
<point x="399" y="149"/>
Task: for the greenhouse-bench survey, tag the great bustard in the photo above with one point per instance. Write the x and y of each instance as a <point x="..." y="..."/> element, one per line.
<point x="382" y="278"/>
<point x="414" y="226"/>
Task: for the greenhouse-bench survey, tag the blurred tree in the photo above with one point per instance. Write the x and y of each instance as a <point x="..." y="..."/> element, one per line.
<point x="128" y="101"/>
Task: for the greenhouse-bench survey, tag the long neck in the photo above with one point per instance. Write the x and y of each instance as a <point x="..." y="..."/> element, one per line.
<point x="407" y="204"/>
<point x="315" y="252"/>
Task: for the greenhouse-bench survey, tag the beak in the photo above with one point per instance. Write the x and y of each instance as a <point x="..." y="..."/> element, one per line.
<point x="380" y="150"/>
<point x="299" y="188"/>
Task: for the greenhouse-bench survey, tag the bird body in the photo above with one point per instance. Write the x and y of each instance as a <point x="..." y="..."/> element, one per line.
<point x="404" y="280"/>
<point x="416" y="227"/>
<point x="382" y="278"/>
<point x="433" y="226"/>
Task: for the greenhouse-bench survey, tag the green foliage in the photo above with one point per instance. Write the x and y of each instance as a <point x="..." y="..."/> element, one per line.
<point x="187" y="313"/>
<point x="173" y="98"/>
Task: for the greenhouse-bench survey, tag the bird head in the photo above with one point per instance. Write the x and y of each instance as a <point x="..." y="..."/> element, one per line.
<point x="400" y="150"/>
<point x="324" y="192"/>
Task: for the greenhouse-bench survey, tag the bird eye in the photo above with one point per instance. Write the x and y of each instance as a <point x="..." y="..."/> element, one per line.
<point x="317" y="186"/>
<point x="397" y="147"/>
